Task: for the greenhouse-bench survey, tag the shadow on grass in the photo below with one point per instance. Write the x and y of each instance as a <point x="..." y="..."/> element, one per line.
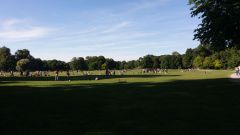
<point x="186" y="107"/>
<point x="89" y="77"/>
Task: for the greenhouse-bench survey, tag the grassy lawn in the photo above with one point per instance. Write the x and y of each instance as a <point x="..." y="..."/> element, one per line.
<point x="178" y="103"/>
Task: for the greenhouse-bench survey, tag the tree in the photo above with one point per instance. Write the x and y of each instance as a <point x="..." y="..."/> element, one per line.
<point x="4" y="56"/>
<point x="45" y="66"/>
<point x="165" y="61"/>
<point x="188" y="59"/>
<point x="203" y="51"/>
<point x="147" y="61"/>
<point x="156" y="62"/>
<point x="130" y="65"/>
<point x="22" y="54"/>
<point x="11" y="63"/>
<point x="7" y="61"/>
<point x="217" y="64"/>
<point x="123" y="65"/>
<point x="208" y="63"/>
<point x="95" y="62"/>
<point x="110" y="64"/>
<point x="117" y="65"/>
<point x="36" y="64"/>
<point x="234" y="59"/>
<point x="54" y="65"/>
<point x="176" y="53"/>
<point x="220" y="27"/>
<point x="78" y="64"/>
<point x="198" y="62"/>
<point x="100" y="61"/>
<point x="176" y="62"/>
<point x="23" y="65"/>
<point x="93" y="66"/>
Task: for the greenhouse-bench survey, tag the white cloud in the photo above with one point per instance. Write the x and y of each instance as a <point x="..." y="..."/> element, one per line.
<point x="24" y="34"/>
<point x="12" y="30"/>
<point x="10" y="22"/>
<point x="116" y="27"/>
<point x="95" y="33"/>
<point x="146" y="4"/>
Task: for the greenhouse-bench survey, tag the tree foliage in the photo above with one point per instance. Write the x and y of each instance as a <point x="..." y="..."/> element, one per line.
<point x="22" y="54"/>
<point x="23" y="65"/>
<point x="198" y="62"/>
<point x="187" y="58"/>
<point x="220" y="26"/>
<point x="78" y="64"/>
<point x="7" y="61"/>
<point x="200" y="57"/>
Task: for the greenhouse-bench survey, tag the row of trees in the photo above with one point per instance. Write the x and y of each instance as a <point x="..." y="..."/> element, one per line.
<point x="200" y="57"/>
<point x="22" y="60"/>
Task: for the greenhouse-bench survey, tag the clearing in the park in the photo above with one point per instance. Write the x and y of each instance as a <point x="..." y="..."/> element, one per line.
<point x="178" y="102"/>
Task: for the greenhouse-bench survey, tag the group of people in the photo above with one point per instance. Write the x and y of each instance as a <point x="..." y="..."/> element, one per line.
<point x="108" y="72"/>
<point x="57" y="75"/>
<point x="154" y="70"/>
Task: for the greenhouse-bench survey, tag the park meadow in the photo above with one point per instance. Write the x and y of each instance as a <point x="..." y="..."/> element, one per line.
<point x="176" y="102"/>
<point x="120" y="67"/>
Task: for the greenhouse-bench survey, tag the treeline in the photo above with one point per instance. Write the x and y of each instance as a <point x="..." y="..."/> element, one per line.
<point x="200" y="57"/>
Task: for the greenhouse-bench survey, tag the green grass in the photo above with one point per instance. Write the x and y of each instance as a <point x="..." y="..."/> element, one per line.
<point x="178" y="103"/>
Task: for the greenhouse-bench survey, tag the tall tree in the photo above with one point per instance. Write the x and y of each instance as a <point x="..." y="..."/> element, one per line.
<point x="100" y="61"/>
<point x="165" y="61"/>
<point x="198" y="62"/>
<point x="7" y="61"/>
<point x="22" y="54"/>
<point x="78" y="64"/>
<point x="147" y="61"/>
<point x="220" y="25"/>
<point x="110" y="64"/>
<point x="56" y="65"/>
<point x="156" y="62"/>
<point x="208" y="63"/>
<point x="188" y="59"/>
<point x="36" y="64"/>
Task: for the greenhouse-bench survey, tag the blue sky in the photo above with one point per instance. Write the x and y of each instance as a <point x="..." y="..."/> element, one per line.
<point x="119" y="29"/>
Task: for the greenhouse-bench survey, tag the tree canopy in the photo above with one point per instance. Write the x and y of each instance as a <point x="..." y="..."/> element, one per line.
<point x="220" y="26"/>
<point x="200" y="57"/>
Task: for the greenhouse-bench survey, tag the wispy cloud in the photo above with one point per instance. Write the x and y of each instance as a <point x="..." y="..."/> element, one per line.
<point x="12" y="30"/>
<point x="24" y="34"/>
<point x="95" y="33"/>
<point x="146" y="4"/>
<point x="116" y="27"/>
<point x="10" y="22"/>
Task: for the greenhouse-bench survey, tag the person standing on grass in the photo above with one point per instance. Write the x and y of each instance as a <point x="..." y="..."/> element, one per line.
<point x="68" y="76"/>
<point x="237" y="71"/>
<point x="107" y="72"/>
<point x="114" y="73"/>
<point x="11" y="74"/>
<point x="21" y="73"/>
<point x="56" y="75"/>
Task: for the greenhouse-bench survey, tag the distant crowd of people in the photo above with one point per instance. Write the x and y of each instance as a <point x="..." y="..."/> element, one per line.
<point x="154" y="70"/>
<point x="87" y="73"/>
